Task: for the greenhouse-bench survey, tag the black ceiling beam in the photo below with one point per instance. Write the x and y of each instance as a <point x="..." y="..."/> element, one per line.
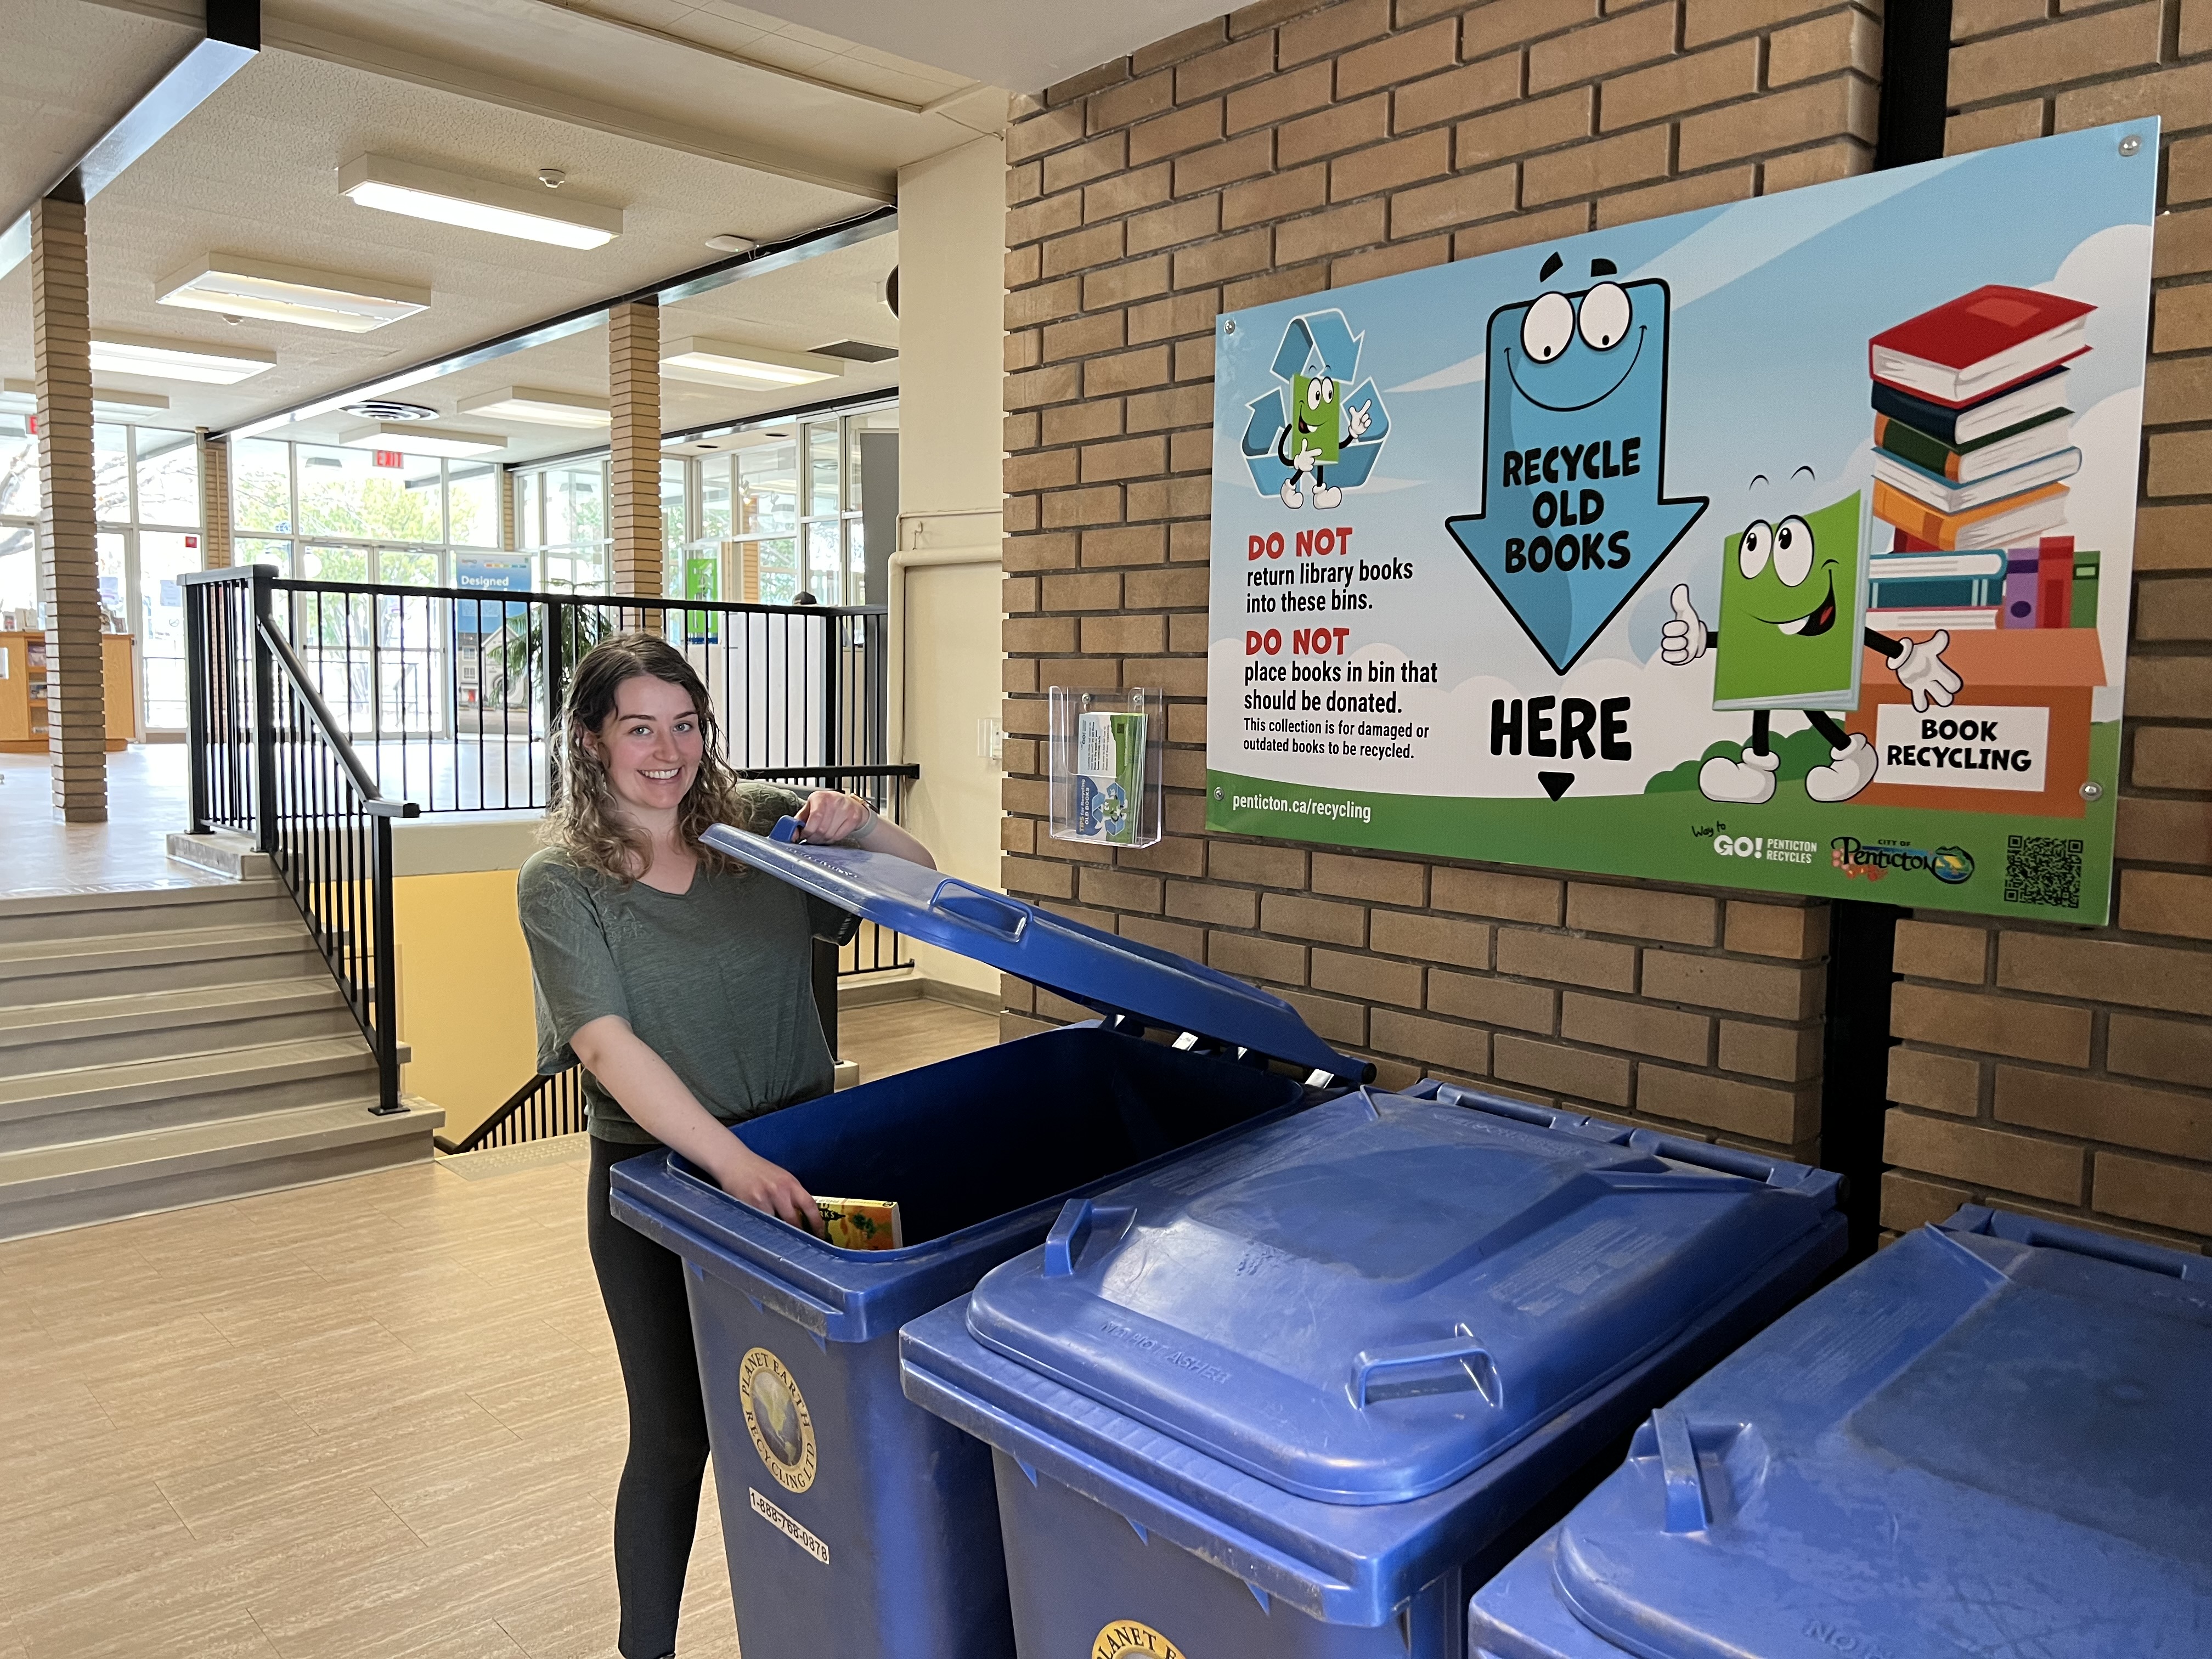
<point x="754" y="262"/>
<point x="232" y="38"/>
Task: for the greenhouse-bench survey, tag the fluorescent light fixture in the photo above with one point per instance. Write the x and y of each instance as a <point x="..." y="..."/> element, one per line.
<point x="452" y="198"/>
<point x="413" y="438"/>
<point x="234" y="286"/>
<point x="533" y="406"/>
<point x="755" y="368"/>
<point x="178" y="360"/>
<point x="126" y="403"/>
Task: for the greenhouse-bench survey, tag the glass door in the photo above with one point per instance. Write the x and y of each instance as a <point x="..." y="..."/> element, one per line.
<point x="163" y="556"/>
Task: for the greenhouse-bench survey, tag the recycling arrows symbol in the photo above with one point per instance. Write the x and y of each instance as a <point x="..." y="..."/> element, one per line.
<point x="1574" y="515"/>
<point x="1323" y="340"/>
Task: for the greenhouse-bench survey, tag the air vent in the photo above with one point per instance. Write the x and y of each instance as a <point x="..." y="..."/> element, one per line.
<point x="383" y="408"/>
<point x="858" y="351"/>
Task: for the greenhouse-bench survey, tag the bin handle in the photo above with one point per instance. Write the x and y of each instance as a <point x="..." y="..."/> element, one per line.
<point x="1678" y="1466"/>
<point x="1082" y="1220"/>
<point x="991" y="911"/>
<point x="1476" y="1369"/>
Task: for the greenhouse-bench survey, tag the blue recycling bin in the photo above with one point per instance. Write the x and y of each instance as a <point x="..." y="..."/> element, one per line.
<point x="856" y="1524"/>
<point x="1993" y="1438"/>
<point x="1280" y="1399"/>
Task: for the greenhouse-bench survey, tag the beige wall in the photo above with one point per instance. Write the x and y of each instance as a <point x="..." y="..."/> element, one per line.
<point x="946" y="580"/>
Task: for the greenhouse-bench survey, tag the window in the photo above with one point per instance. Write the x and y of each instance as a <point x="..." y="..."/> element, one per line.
<point x="146" y="492"/>
<point x="357" y="519"/>
<point x="561" y="517"/>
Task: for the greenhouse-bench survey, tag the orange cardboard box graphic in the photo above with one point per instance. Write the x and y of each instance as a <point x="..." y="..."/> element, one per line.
<point x="2015" y="738"/>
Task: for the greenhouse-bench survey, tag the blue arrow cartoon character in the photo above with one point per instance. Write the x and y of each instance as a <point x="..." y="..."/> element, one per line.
<point x="1574" y="515"/>
<point x="1326" y="437"/>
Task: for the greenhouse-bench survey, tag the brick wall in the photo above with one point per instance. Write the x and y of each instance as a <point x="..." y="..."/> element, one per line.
<point x="1284" y="150"/>
<point x="2065" y="1070"/>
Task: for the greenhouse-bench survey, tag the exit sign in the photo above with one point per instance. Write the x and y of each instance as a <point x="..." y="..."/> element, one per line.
<point x="391" y="460"/>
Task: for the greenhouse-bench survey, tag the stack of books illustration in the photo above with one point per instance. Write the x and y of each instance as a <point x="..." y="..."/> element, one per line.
<point x="1973" y="445"/>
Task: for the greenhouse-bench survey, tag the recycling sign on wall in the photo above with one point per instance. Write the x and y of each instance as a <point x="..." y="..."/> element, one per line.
<point x="1785" y="544"/>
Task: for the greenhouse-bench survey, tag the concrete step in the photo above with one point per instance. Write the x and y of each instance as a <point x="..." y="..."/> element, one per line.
<point x="48" y="1189"/>
<point x="157" y="1025"/>
<point x="44" y="970"/>
<point x="64" y="914"/>
<point x="91" y="1102"/>
<point x="225" y="852"/>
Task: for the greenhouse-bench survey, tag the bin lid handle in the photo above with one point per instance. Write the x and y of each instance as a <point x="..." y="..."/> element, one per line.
<point x="1082" y="1220"/>
<point x="1465" y="1363"/>
<point x="980" y="907"/>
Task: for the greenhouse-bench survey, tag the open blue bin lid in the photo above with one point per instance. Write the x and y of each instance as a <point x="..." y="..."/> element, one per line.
<point x="1097" y="969"/>
<point x="1996" y="1436"/>
<point x="1366" y="1302"/>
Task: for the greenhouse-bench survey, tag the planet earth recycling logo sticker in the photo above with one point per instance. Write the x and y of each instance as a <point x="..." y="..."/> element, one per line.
<point x="1324" y="440"/>
<point x="777" y="1418"/>
<point x="1125" y="1638"/>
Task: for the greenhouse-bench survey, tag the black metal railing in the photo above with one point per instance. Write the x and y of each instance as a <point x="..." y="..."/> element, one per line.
<point x="453" y="696"/>
<point x="268" y="759"/>
<point x="457" y="692"/>
<point x="549" y="1105"/>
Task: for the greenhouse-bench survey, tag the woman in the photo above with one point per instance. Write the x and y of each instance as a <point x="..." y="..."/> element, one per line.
<point x="684" y="984"/>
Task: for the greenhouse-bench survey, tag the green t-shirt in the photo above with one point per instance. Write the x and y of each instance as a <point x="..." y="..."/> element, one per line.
<point x="717" y="981"/>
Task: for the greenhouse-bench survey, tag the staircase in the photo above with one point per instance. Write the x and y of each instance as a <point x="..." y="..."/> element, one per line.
<point x="176" y="1046"/>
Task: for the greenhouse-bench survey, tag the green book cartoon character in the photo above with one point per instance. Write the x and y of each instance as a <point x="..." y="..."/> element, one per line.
<point x="1319" y="425"/>
<point x="1793" y="601"/>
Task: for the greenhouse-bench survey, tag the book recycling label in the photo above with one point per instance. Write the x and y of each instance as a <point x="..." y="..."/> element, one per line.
<point x="1802" y="523"/>
<point x="776" y="1417"/>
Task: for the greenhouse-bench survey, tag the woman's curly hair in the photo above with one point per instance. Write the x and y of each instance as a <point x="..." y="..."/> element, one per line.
<point x="583" y="822"/>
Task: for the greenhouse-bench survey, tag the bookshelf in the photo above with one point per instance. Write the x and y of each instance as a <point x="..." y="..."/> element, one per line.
<point x="22" y="692"/>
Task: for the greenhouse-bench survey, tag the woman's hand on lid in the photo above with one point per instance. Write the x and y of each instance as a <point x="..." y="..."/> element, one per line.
<point x="829" y="817"/>
<point x="773" y="1190"/>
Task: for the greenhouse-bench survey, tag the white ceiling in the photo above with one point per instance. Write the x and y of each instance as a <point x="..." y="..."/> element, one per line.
<point x="1024" y="46"/>
<point x="68" y="71"/>
<point x="697" y="117"/>
<point x="253" y="172"/>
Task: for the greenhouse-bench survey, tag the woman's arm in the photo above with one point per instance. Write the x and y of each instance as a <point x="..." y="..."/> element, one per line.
<point x="829" y="817"/>
<point x="657" y="1100"/>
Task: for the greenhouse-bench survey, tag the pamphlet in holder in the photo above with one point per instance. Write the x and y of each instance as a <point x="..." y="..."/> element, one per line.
<point x="1105" y="757"/>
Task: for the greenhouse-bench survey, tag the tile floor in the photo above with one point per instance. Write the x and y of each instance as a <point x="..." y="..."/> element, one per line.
<point x="146" y="799"/>
<point x="379" y="1419"/>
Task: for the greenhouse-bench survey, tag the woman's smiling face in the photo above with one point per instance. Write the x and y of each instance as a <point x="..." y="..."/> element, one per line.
<point x="650" y="745"/>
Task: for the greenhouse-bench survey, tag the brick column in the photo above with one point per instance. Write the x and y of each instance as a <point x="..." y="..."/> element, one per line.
<point x="506" y="515"/>
<point x="634" y="376"/>
<point x="69" y="574"/>
<point x="215" y="503"/>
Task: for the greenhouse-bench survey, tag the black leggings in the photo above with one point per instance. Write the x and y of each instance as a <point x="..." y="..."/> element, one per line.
<point x="657" y="1505"/>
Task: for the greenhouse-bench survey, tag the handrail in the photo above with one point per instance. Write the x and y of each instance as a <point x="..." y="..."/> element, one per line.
<point x="614" y="601"/>
<point x="372" y="798"/>
<point x="563" y="1116"/>
<point x="312" y="806"/>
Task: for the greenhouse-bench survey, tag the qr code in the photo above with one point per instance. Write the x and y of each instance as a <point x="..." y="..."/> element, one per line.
<point x="2042" y="870"/>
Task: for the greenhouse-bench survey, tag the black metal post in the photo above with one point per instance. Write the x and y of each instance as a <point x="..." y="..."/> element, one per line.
<point x="264" y="711"/>
<point x="387" y="970"/>
<point x="554" y="700"/>
<point x="196" y="676"/>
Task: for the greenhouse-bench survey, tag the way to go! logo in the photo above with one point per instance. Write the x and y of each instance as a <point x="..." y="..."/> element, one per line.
<point x="777" y="1418"/>
<point x="1125" y="1638"/>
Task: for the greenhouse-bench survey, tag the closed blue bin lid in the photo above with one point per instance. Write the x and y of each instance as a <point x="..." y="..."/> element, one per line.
<point x="1996" y="1436"/>
<point x="1366" y="1302"/>
<point x="1112" y="975"/>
